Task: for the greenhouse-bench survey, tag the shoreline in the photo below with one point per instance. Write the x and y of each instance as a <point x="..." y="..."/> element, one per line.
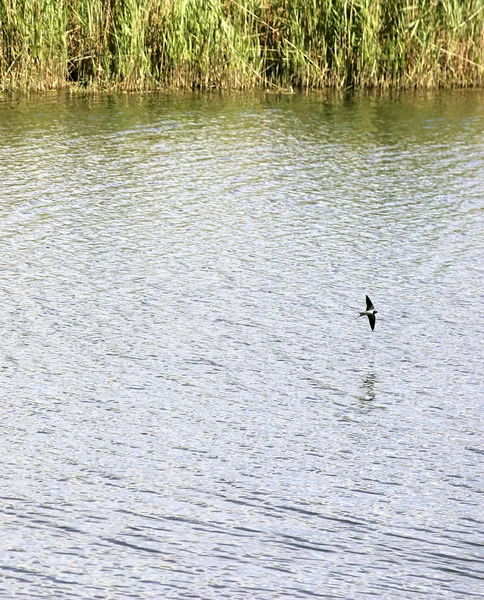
<point x="229" y="45"/>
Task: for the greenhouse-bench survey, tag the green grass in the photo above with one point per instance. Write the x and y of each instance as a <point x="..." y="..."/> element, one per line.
<point x="241" y="44"/>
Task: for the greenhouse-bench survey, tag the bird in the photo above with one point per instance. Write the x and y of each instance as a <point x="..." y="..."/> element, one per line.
<point x="370" y="312"/>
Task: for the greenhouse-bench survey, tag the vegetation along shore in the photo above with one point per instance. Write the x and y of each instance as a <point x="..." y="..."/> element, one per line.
<point x="240" y="44"/>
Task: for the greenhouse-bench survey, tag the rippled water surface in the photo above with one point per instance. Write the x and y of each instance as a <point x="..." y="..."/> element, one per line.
<point x="189" y="407"/>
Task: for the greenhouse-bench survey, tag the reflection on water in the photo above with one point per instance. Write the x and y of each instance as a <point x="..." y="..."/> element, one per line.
<point x="189" y="405"/>
<point x="368" y="385"/>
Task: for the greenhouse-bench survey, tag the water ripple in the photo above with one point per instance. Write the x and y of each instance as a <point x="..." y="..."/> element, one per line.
<point x="190" y="406"/>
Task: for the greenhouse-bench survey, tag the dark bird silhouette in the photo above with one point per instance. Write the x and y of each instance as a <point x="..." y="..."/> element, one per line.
<point x="370" y="312"/>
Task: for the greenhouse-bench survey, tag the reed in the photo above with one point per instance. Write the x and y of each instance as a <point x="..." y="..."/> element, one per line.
<point x="241" y="44"/>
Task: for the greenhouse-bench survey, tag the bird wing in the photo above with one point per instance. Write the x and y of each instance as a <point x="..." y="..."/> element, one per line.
<point x="372" y="320"/>
<point x="369" y="304"/>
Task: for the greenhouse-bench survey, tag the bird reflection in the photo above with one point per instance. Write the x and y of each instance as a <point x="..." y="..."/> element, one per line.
<point x="368" y="385"/>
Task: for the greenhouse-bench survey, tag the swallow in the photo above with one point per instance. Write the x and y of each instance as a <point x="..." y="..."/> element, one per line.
<point x="370" y="312"/>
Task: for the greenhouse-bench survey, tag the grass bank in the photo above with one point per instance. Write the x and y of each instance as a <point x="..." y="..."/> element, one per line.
<point x="241" y="44"/>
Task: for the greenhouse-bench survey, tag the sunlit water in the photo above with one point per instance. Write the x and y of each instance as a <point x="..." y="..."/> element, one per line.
<point x="189" y="407"/>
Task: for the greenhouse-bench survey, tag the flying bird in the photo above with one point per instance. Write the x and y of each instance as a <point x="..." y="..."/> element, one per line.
<point x="370" y="312"/>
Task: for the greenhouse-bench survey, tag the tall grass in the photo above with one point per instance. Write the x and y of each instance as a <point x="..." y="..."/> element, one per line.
<point x="240" y="44"/>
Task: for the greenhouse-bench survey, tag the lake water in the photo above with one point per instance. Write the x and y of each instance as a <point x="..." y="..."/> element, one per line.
<point x="189" y="406"/>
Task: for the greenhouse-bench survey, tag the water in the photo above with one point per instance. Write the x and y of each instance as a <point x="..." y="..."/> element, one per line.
<point x="190" y="408"/>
